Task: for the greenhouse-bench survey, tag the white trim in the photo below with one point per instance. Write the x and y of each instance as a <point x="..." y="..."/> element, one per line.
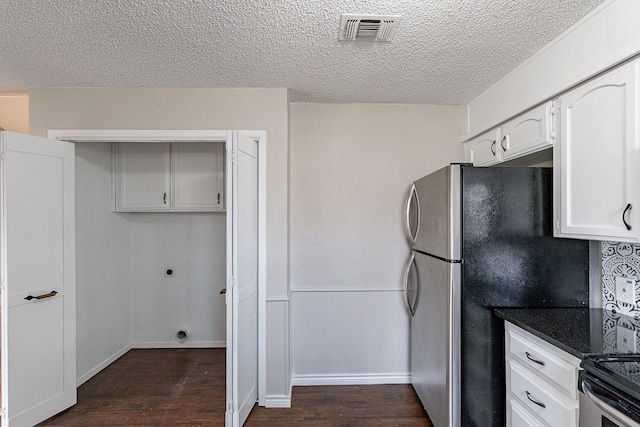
<point x="300" y="290"/>
<point x="358" y="379"/>
<point x="276" y="298"/>
<point x="278" y="401"/>
<point x="83" y="135"/>
<point x="108" y="135"/>
<point x="175" y="344"/>
<point x="108" y="361"/>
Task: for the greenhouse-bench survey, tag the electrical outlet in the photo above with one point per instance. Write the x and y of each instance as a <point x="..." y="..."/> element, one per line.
<point x="626" y="290"/>
<point x="625" y="340"/>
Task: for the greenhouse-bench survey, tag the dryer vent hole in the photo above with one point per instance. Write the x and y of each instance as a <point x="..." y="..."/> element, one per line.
<point x="182" y="335"/>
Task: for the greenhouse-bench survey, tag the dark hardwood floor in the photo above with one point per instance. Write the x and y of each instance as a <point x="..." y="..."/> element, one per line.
<point x="186" y="387"/>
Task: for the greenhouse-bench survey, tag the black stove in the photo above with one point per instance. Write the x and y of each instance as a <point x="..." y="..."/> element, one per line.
<point x="615" y="381"/>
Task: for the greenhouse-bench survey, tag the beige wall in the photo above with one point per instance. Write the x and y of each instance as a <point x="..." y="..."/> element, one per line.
<point x="248" y="109"/>
<point x="14" y="112"/>
<point x="350" y="169"/>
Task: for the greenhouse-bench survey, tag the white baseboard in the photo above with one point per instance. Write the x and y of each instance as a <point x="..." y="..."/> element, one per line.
<point x="279" y="400"/>
<point x="362" y="379"/>
<point x="108" y="361"/>
<point x="176" y="344"/>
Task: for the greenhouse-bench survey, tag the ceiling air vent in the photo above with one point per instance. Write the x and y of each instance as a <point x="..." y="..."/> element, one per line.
<point x="373" y="28"/>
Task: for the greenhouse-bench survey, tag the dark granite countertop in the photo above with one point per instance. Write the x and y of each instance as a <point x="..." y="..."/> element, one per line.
<point x="578" y="331"/>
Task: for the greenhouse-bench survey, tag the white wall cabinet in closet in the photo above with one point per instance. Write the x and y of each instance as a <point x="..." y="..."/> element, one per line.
<point x="528" y="133"/>
<point x="169" y="177"/>
<point x="596" y="162"/>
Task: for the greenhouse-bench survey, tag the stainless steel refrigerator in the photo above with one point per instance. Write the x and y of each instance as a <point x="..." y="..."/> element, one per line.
<point x="481" y="238"/>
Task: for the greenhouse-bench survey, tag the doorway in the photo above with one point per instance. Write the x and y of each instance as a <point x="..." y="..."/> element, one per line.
<point x="87" y="137"/>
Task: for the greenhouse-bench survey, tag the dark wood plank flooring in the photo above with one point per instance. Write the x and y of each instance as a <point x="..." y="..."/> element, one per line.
<point x="186" y="387"/>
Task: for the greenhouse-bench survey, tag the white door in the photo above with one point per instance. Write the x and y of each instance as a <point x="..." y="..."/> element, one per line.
<point x="38" y="278"/>
<point x="242" y="272"/>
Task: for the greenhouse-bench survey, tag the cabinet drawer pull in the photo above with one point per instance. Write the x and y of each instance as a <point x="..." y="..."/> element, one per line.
<point x="492" y="150"/>
<point x="43" y="296"/>
<point x="539" y="362"/>
<point x="624" y="214"/>
<point x="542" y="405"/>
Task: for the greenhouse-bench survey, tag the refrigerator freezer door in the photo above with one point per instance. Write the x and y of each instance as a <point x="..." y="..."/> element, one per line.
<point x="435" y="339"/>
<point x="438" y="195"/>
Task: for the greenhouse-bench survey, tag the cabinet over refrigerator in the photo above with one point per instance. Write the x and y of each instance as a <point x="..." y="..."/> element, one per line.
<point x="481" y="238"/>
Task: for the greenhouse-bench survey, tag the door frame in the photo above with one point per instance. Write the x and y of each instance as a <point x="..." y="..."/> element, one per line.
<point x="94" y="135"/>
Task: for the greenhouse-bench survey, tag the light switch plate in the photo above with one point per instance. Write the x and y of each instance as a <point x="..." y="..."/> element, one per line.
<point x="626" y="290"/>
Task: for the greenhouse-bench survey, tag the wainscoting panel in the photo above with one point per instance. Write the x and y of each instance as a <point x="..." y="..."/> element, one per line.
<point x="351" y="337"/>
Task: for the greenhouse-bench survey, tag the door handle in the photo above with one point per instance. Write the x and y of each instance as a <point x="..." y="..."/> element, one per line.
<point x="223" y="291"/>
<point x="407" y="272"/>
<point x="43" y="296"/>
<point x="413" y="193"/>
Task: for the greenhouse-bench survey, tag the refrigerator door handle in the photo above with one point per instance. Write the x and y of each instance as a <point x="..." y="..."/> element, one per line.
<point x="409" y="292"/>
<point x="413" y="194"/>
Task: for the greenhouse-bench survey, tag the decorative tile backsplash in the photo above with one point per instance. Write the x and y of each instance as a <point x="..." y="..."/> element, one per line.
<point x="620" y="333"/>
<point x="620" y="260"/>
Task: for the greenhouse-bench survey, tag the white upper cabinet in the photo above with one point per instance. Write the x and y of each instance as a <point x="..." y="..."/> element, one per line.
<point x="142" y="175"/>
<point x="176" y="177"/>
<point x="527" y="133"/>
<point x="483" y="149"/>
<point x="197" y="172"/>
<point x="596" y="160"/>
<point x="530" y="132"/>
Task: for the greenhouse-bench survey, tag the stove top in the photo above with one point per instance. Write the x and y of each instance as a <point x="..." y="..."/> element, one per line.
<point x="621" y="371"/>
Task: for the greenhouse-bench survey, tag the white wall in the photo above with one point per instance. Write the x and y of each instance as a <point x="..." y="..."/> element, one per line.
<point x="606" y="36"/>
<point x="160" y="108"/>
<point x="103" y="274"/>
<point x="350" y="170"/>
<point x="193" y="245"/>
<point x="14" y="112"/>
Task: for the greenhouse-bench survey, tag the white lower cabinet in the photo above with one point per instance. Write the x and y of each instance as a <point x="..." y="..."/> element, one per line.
<point x="542" y="382"/>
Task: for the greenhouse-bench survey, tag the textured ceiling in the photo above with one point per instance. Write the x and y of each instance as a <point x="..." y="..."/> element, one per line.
<point x="444" y="51"/>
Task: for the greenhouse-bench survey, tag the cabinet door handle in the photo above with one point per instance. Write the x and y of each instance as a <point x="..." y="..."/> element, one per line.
<point x="624" y="214"/>
<point x="492" y="150"/>
<point x="535" y="401"/>
<point x="164" y="198"/>
<point x="43" y="296"/>
<point x="539" y="362"/>
<point x="504" y="138"/>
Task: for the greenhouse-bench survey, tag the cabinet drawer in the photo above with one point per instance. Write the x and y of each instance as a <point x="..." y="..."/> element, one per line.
<point x="544" y="362"/>
<point x="558" y="410"/>
<point x="519" y="416"/>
